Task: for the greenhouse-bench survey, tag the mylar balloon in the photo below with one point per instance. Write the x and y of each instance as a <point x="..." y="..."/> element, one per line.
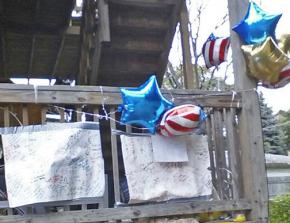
<point x="257" y="25"/>
<point x="144" y="105"/>
<point x="284" y="79"/>
<point x="265" y="61"/>
<point x="284" y="43"/>
<point x="215" y="50"/>
<point x="181" y="120"/>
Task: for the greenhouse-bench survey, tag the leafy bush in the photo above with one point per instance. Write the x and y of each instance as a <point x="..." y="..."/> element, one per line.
<point x="280" y="209"/>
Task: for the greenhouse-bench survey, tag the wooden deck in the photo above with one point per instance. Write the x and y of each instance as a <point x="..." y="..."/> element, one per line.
<point x="242" y="158"/>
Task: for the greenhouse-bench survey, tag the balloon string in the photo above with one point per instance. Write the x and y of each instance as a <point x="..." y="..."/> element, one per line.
<point x="103" y="104"/>
<point x="107" y="116"/>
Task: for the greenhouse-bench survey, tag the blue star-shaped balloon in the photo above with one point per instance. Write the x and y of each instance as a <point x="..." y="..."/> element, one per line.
<point x="257" y="25"/>
<point x="144" y="105"/>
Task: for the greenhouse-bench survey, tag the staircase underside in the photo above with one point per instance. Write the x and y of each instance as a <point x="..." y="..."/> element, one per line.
<point x="141" y="38"/>
<point x="39" y="40"/>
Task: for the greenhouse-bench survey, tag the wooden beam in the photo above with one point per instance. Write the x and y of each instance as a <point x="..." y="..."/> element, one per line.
<point x="11" y="93"/>
<point x="253" y="157"/>
<point x="104" y="35"/>
<point x="3" y="45"/>
<point x="163" y="61"/>
<point x="115" y="159"/>
<point x="150" y="45"/>
<point x="32" y="50"/>
<point x="250" y="131"/>
<point x="134" y="212"/>
<point x="190" y="78"/>
<point x="104" y="21"/>
<point x="139" y="22"/>
<point x="237" y="10"/>
<point x="4" y="59"/>
<point x="144" y="3"/>
<point x="30" y="65"/>
<point x="58" y="55"/>
<point x="73" y="30"/>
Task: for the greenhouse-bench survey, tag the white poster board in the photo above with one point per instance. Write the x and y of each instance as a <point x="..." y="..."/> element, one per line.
<point x="53" y="163"/>
<point x="149" y="180"/>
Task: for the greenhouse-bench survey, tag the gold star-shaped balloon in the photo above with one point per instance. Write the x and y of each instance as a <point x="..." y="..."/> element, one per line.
<point x="265" y="61"/>
<point x="284" y="43"/>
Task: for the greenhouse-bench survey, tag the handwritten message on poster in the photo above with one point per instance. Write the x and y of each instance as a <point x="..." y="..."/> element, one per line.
<point x="160" y="181"/>
<point x="53" y="164"/>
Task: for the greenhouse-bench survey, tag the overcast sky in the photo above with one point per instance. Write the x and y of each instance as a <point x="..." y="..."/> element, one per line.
<point x="213" y="14"/>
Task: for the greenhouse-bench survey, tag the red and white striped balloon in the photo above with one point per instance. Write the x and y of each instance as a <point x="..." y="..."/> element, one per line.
<point x="215" y="50"/>
<point x="180" y="120"/>
<point x="284" y="79"/>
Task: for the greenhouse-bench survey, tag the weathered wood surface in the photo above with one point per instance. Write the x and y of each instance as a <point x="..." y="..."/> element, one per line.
<point x="169" y="38"/>
<point x="190" y="79"/>
<point x="237" y="10"/>
<point x="115" y="160"/>
<point x="111" y="96"/>
<point x="133" y="212"/>
<point x="220" y="157"/>
<point x="234" y="151"/>
<point x="253" y="158"/>
<point x="143" y="3"/>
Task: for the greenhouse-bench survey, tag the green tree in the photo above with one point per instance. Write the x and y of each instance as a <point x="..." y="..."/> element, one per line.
<point x="273" y="135"/>
<point x="284" y="122"/>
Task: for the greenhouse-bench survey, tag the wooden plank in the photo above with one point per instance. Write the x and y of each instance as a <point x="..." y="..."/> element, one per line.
<point x="4" y="59"/>
<point x="32" y="50"/>
<point x="25" y="116"/>
<point x="73" y="31"/>
<point x="140" y="45"/>
<point x="96" y="62"/>
<point x="253" y="157"/>
<point x="6" y="116"/>
<point x="115" y="161"/>
<point x="163" y="61"/>
<point x="58" y="55"/>
<point x="61" y="114"/>
<point x="209" y="132"/>
<point x="220" y="159"/>
<point x="3" y="45"/>
<point x="141" y="22"/>
<point x="190" y="79"/>
<point x="104" y="21"/>
<point x="103" y="36"/>
<point x="237" y="11"/>
<point x="79" y="114"/>
<point x="133" y="212"/>
<point x="145" y="3"/>
<point x="93" y="95"/>
<point x="43" y="115"/>
<point x="234" y="151"/>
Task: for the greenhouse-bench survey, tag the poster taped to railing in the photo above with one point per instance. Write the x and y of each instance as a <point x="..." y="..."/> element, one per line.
<point x="149" y="180"/>
<point x="53" y="162"/>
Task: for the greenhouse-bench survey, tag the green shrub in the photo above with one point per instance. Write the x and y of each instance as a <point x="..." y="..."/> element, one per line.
<point x="280" y="209"/>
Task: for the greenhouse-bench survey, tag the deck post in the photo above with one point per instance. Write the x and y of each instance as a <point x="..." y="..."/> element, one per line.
<point x="252" y="150"/>
<point x="190" y="78"/>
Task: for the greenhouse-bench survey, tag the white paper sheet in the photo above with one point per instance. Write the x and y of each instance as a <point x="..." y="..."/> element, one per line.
<point x="53" y="165"/>
<point x="169" y="149"/>
<point x="148" y="180"/>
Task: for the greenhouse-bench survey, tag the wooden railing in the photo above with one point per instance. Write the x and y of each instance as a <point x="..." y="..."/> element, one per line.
<point x="235" y="146"/>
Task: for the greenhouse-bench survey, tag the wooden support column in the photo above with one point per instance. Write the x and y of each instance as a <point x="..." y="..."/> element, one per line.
<point x="163" y="60"/>
<point x="190" y="78"/>
<point x="103" y="35"/>
<point x="58" y="55"/>
<point x="254" y="178"/>
<point x="237" y="11"/>
<point x="30" y="65"/>
<point x="3" y="45"/>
